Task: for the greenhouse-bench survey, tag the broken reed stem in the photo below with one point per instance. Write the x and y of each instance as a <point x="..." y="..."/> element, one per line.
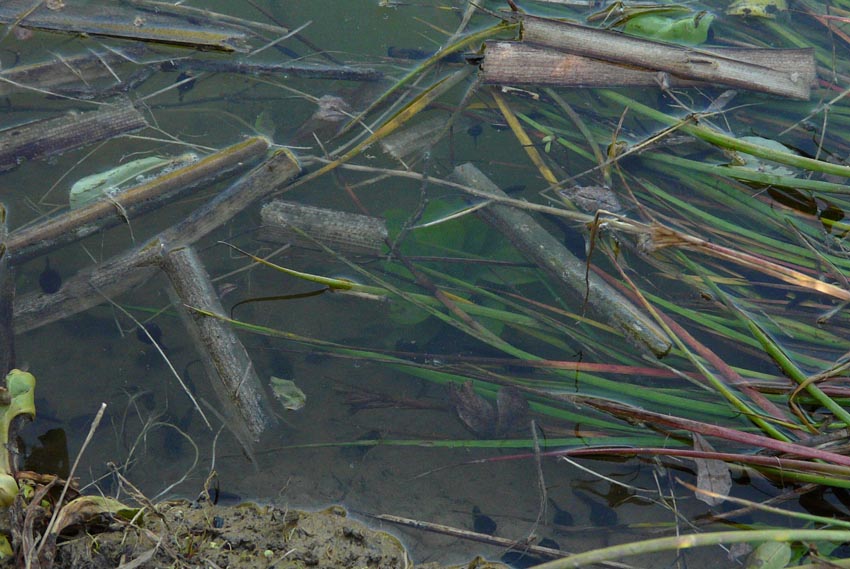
<point x="701" y="64"/>
<point x="228" y="365"/>
<point x="46" y="537"/>
<point x="518" y="63"/>
<point x="123" y="272"/>
<point x="76" y="224"/>
<point x="537" y="245"/>
<point x="51" y="137"/>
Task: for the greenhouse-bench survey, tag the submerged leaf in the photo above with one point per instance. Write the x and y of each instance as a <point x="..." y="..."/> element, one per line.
<point x="712" y="475"/>
<point x="692" y="30"/>
<point x="289" y="394"/>
<point x="757" y="8"/>
<point x="770" y="555"/>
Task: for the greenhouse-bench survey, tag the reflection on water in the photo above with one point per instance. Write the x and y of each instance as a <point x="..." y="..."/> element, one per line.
<point x="410" y="412"/>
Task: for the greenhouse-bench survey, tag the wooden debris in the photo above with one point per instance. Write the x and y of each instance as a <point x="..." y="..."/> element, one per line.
<point x="228" y="365"/>
<point x="262" y="69"/>
<point x="285" y="222"/>
<point x="57" y="74"/>
<point x="114" y="20"/>
<point x="702" y="64"/>
<point x="54" y="136"/>
<point x="518" y="63"/>
<point x="118" y="275"/>
<point x="76" y="224"/>
<point x="413" y="139"/>
<point x="538" y="246"/>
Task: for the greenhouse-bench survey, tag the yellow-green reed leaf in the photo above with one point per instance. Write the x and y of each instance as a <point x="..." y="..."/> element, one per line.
<point x="729" y="142"/>
<point x="414" y="107"/>
<point x="673" y="544"/>
<point x="523" y="139"/>
<point x="337" y="284"/>
<point x="455" y="47"/>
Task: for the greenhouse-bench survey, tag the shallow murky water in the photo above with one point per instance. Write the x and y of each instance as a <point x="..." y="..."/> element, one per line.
<point x="428" y="465"/>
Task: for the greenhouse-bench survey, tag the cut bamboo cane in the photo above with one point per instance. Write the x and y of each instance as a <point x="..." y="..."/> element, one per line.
<point x="518" y="63"/>
<point x="112" y="19"/>
<point x="538" y="246"/>
<point x="286" y="222"/>
<point x="116" y="276"/>
<point x="701" y="64"/>
<point x="79" y="223"/>
<point x="54" y="136"/>
<point x="7" y="297"/>
<point x="228" y="365"/>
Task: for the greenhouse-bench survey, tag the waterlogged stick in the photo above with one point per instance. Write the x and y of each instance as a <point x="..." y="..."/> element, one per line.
<point x="687" y="62"/>
<point x="54" y="136"/>
<point x="340" y="230"/>
<point x="123" y="272"/>
<point x="73" y="225"/>
<point x="114" y="20"/>
<point x="537" y="245"/>
<point x="519" y="63"/>
<point x="227" y="362"/>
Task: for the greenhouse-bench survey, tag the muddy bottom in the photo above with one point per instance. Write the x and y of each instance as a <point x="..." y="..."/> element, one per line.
<point x="185" y="534"/>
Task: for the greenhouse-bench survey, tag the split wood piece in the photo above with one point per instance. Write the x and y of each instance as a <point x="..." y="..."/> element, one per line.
<point x="73" y="71"/>
<point x="228" y="365"/>
<point x="50" y="137"/>
<point x="118" y="275"/>
<point x="538" y="246"/>
<point x="286" y="222"/>
<point x="73" y="225"/>
<point x="7" y="297"/>
<point x="261" y="69"/>
<point x="701" y="64"/>
<point x="113" y="20"/>
<point x="518" y="63"/>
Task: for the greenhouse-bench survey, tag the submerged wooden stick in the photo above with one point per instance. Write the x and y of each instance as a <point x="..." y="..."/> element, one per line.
<point x="73" y="70"/>
<point x="113" y="19"/>
<point x="228" y="365"/>
<point x="538" y="246"/>
<point x="123" y="272"/>
<point x="691" y="63"/>
<point x="519" y="63"/>
<point x="340" y="230"/>
<point x="76" y="224"/>
<point x="54" y="136"/>
<point x="265" y="69"/>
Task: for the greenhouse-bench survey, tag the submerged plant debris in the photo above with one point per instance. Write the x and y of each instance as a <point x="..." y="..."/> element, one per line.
<point x="516" y="240"/>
